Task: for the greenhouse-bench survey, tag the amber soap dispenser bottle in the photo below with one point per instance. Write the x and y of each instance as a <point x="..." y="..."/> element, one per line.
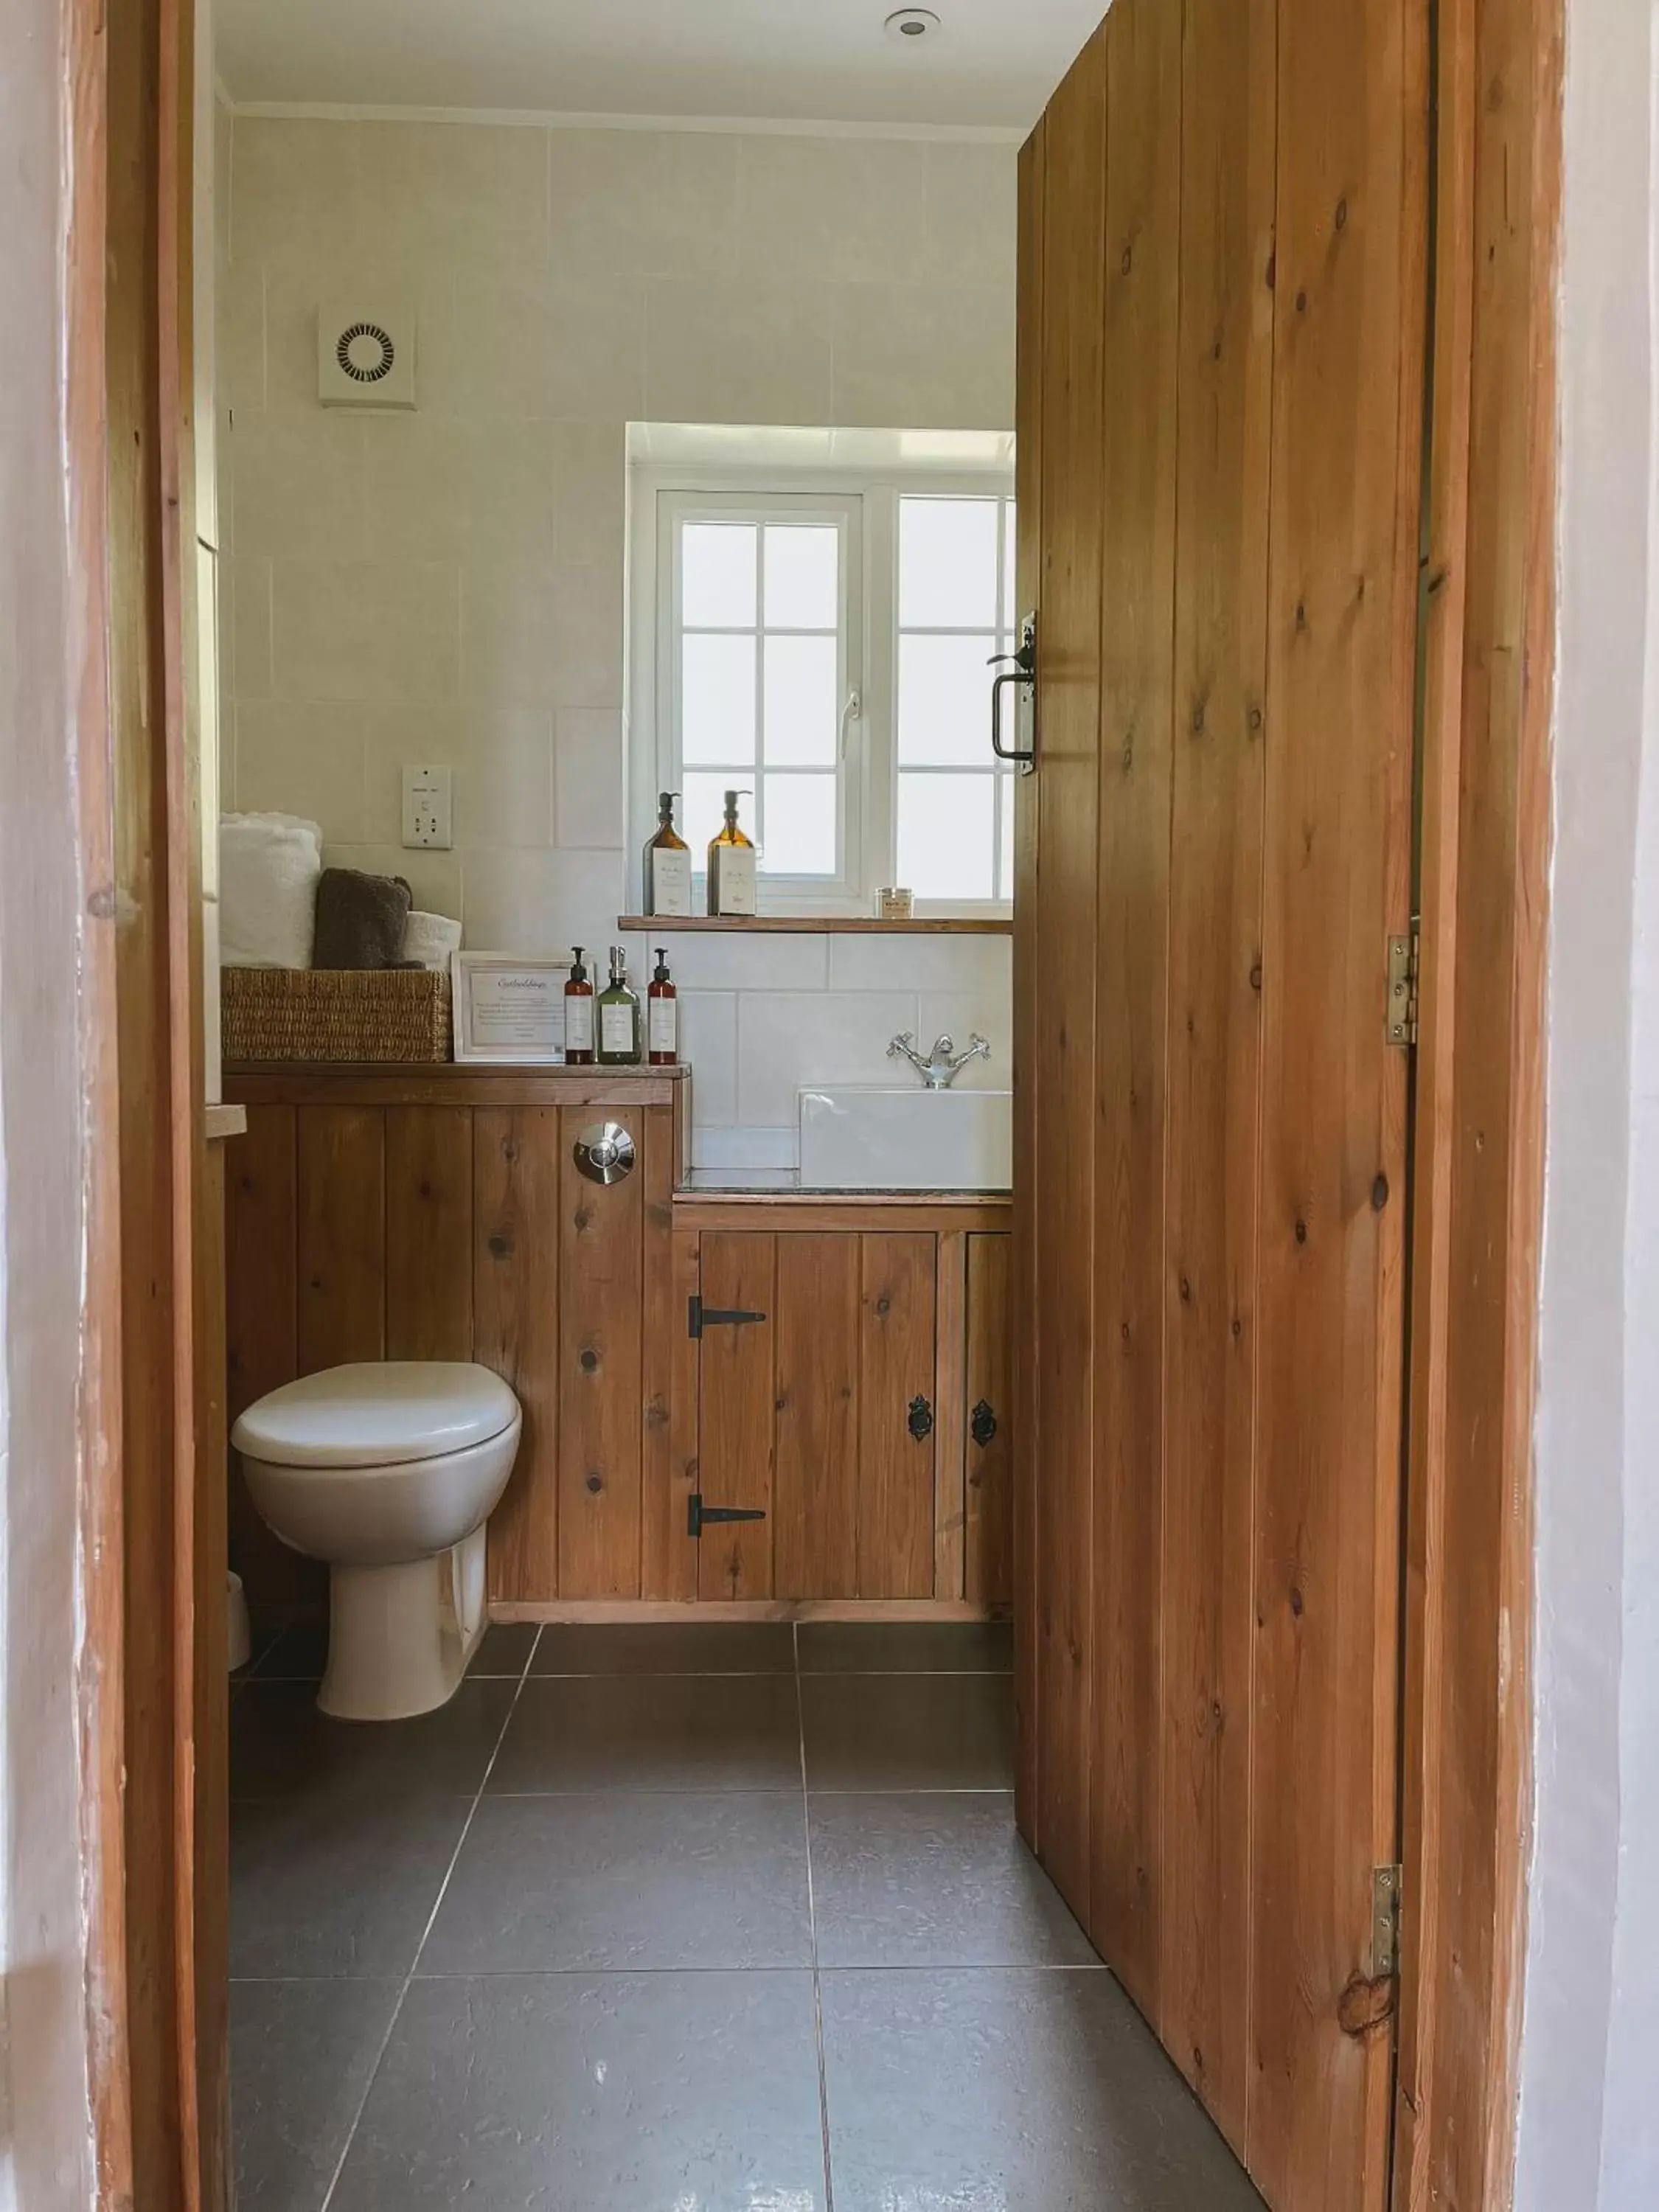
<point x="578" y="1015"/>
<point x="662" y="1015"/>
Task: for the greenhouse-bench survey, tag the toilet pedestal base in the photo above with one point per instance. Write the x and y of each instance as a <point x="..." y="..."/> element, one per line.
<point x="394" y="1650"/>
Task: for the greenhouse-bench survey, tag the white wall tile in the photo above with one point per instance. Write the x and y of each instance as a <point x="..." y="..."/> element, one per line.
<point x="764" y="1154"/>
<point x="970" y="216"/>
<point x="936" y="356"/>
<point x="720" y="962"/>
<point x="247" y="580"/>
<point x="869" y="963"/>
<point x="708" y="1043"/>
<point x="786" y="1041"/>
<point x="470" y="194"/>
<point x="300" y="758"/>
<point x="588" y="802"/>
<point x="364" y="630"/>
<point x="438" y="485"/>
<point x="239" y="320"/>
<point x="739" y="349"/>
<point x="648" y="202"/>
<point x="590" y="493"/>
<point x="542" y="634"/>
<point x="541" y="903"/>
<point x="840" y="210"/>
<point x="299" y="484"/>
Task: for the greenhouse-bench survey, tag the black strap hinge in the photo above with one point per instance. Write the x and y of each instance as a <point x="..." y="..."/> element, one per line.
<point x="699" y="1316"/>
<point x="699" y="1516"/>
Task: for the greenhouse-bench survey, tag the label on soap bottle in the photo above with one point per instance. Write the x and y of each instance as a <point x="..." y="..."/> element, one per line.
<point x="738" y="879"/>
<point x="617" y="1028"/>
<point x="578" y="1024"/>
<point x="670" y="881"/>
<point x="663" y="1024"/>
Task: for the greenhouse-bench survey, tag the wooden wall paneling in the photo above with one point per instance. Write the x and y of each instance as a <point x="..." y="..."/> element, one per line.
<point x="987" y="1374"/>
<point x="1342" y="601"/>
<point x="428" y="1232"/>
<point x="601" y="1411"/>
<point x="517" y="1221"/>
<point x="1489" y="652"/>
<point x="817" y="1337"/>
<point x="897" y="1364"/>
<point x="1138" y="493"/>
<point x="340" y="1154"/>
<point x="738" y="1395"/>
<point x="210" y="1694"/>
<point x="951" y="1436"/>
<point x="1224" y="388"/>
<point x="1060" y="977"/>
<point x="668" y="1562"/>
<point x="262" y="1332"/>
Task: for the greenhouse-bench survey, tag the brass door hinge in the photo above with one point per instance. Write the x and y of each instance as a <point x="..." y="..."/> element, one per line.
<point x="1385" y="1922"/>
<point x="1404" y="958"/>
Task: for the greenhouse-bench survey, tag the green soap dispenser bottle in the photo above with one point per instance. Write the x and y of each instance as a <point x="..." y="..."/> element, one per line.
<point x="620" y="1042"/>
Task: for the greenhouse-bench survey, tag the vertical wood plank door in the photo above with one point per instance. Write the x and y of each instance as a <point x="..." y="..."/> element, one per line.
<point x="341" y="1181"/>
<point x="818" y="1317"/>
<point x="428" y="1232"/>
<point x="988" y="1423"/>
<point x="738" y="1393"/>
<point x="515" y="1305"/>
<point x="601" y="1366"/>
<point x="1223" y="288"/>
<point x="897" y="1456"/>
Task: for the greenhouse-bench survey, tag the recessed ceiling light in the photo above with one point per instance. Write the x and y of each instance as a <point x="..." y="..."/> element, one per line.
<point x="911" y="25"/>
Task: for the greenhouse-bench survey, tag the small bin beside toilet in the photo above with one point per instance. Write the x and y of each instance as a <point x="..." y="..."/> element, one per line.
<point x="388" y="1471"/>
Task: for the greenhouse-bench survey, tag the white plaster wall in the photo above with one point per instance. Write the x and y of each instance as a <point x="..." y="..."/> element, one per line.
<point x="451" y="585"/>
<point x="1588" y="2135"/>
<point x="45" y="2130"/>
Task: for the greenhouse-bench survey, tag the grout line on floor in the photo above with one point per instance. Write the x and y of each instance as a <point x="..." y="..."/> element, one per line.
<point x="812" y="1923"/>
<point x="437" y="1907"/>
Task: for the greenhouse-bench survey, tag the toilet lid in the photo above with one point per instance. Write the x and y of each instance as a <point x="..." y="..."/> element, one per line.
<point x="386" y="1414"/>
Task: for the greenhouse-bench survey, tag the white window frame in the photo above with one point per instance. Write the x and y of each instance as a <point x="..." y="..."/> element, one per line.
<point x="663" y="495"/>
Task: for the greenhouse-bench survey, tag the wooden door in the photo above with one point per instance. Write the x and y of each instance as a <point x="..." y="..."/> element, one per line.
<point x="1221" y="334"/>
<point x="737" y="1401"/>
<point x="988" y="1424"/>
<point x="897" y="1453"/>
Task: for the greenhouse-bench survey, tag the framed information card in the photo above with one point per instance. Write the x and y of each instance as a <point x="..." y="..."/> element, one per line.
<point x="509" y="1011"/>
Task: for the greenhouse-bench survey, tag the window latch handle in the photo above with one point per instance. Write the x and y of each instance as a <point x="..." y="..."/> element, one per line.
<point x="852" y="711"/>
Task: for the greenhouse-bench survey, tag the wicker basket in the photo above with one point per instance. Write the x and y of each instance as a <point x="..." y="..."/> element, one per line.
<point x="335" y="1014"/>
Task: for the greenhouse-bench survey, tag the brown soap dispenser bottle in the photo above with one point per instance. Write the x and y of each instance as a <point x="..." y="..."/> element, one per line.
<point x="667" y="871"/>
<point x="733" y="866"/>
<point x="579" y="1015"/>
<point x="663" y="1017"/>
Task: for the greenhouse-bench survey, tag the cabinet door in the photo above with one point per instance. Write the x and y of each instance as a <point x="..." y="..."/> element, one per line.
<point x="988" y="1398"/>
<point x="601" y="1368"/>
<point x="896" y="1452"/>
<point x="818" y="1320"/>
<point x="738" y="1396"/>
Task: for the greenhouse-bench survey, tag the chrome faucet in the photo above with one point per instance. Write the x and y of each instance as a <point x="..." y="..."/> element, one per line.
<point x="942" y="1065"/>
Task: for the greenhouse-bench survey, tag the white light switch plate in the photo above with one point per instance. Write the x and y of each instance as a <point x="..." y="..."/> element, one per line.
<point x="427" y="811"/>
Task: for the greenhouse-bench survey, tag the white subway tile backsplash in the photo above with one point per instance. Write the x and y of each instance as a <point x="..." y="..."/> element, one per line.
<point x="730" y="962"/>
<point x="708" y="1043"/>
<point x="786" y="1039"/>
<point x="751" y="1149"/>
<point x="588" y="802"/>
<point x="868" y="963"/>
<point x="541" y="902"/>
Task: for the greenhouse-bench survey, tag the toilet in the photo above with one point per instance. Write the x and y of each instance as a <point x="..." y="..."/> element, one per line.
<point x="388" y="1471"/>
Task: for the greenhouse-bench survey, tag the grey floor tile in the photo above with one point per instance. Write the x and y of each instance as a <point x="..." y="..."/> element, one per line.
<point x="909" y="1731"/>
<point x="503" y="1648"/>
<point x="282" y="1745"/>
<point x="609" y="2094"/>
<point x="301" y="2056"/>
<point x="940" y="1880"/>
<point x="627" y="1880"/>
<point x="297" y="1653"/>
<point x="342" y="1884"/>
<point x="1030" y="2090"/>
<point x="660" y="1732"/>
<point x="901" y="1647"/>
<point x="692" y="1647"/>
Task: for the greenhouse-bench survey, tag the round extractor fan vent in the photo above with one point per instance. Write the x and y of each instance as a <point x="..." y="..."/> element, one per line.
<point x="365" y="352"/>
<point x="911" y="25"/>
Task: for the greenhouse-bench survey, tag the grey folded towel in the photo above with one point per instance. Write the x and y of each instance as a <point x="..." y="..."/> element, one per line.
<point x="360" y="919"/>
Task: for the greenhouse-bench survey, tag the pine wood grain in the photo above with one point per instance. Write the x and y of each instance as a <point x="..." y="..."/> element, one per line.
<point x="1341" y="598"/>
<point x="1062" y="1064"/>
<point x="737" y="1401"/>
<point x="517" y="1219"/>
<point x="987" y="1379"/>
<point x="950" y="1407"/>
<point x="601" y="1374"/>
<point x="1224" y="389"/>
<point x="668" y="1566"/>
<point x="340" y="1154"/>
<point x="428" y="1232"/>
<point x="819" y="1480"/>
<point x="1137" y="494"/>
<point x="897" y="1365"/>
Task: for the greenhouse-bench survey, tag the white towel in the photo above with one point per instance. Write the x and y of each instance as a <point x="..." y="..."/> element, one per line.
<point x="430" y="939"/>
<point x="269" y="864"/>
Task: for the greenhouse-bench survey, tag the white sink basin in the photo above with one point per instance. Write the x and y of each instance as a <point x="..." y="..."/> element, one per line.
<point x="909" y="1140"/>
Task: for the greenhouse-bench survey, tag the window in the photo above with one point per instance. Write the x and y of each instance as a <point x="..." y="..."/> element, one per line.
<point x="825" y="652"/>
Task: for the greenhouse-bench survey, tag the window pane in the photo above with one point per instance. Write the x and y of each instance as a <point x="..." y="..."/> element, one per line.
<point x="800" y="826"/>
<point x="802" y="577"/>
<point x="705" y="810"/>
<point x="1011" y="608"/>
<point x="717" y="575"/>
<point x="717" y="699"/>
<point x="801" y="715"/>
<point x="948" y="564"/>
<point x="945" y="700"/>
<point x="944" y="835"/>
<point x="1006" y="876"/>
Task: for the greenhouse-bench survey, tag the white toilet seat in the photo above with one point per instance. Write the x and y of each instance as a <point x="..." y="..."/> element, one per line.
<point x="387" y="1472"/>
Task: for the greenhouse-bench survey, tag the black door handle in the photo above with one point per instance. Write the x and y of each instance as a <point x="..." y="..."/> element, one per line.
<point x="920" y="1421"/>
<point x="1022" y="670"/>
<point x="983" y="1424"/>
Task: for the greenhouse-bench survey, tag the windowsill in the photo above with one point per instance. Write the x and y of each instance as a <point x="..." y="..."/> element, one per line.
<point x="826" y="925"/>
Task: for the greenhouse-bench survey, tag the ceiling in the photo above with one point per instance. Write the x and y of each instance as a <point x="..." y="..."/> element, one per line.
<point x="991" y="66"/>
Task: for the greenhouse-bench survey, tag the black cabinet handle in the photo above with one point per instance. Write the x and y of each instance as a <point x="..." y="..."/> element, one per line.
<point x="983" y="1424"/>
<point x="920" y="1422"/>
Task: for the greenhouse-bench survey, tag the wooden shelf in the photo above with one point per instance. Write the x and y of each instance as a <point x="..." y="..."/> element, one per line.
<point x="811" y="925"/>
